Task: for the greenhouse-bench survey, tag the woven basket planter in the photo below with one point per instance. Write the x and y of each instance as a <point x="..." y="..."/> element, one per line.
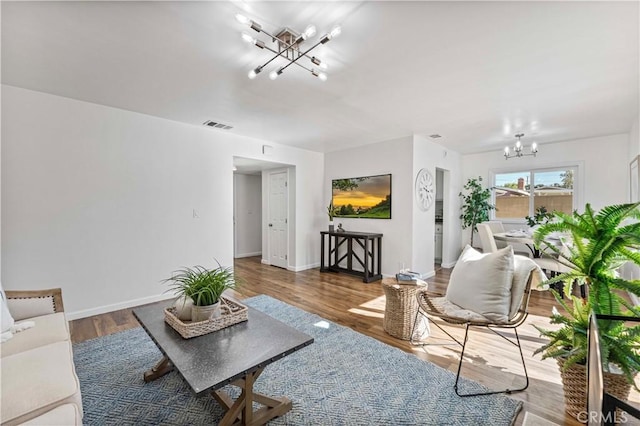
<point x="574" y="382"/>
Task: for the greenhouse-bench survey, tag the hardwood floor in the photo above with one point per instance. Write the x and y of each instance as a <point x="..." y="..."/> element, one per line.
<point x="348" y="301"/>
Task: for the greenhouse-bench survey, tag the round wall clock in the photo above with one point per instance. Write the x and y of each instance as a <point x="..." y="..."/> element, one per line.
<point x="425" y="190"/>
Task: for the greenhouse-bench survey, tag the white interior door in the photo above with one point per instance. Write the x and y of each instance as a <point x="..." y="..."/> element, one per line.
<point x="278" y="221"/>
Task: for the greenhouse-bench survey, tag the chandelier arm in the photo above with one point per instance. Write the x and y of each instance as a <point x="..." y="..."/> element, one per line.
<point x="293" y="61"/>
<point x="298" y="64"/>
<point x="289" y="46"/>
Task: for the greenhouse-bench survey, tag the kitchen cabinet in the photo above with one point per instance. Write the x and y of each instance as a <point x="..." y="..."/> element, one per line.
<point x="438" y="243"/>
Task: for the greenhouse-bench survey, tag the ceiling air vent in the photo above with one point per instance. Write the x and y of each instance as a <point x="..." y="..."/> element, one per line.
<point x="435" y="136"/>
<point x="213" y="124"/>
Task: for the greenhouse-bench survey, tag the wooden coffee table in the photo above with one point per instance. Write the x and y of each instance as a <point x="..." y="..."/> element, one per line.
<point x="235" y="355"/>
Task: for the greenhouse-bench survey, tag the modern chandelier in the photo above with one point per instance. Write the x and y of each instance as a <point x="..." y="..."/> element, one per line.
<point x="289" y="46"/>
<point x="517" y="149"/>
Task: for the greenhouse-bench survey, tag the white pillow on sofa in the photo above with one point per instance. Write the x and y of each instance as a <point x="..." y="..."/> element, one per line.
<point x="481" y="282"/>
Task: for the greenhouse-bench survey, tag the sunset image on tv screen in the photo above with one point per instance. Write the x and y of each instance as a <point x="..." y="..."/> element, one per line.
<point x="363" y="197"/>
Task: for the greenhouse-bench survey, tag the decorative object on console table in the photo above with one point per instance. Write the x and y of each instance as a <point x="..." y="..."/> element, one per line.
<point x="204" y="287"/>
<point x="370" y="260"/>
<point x="330" y="212"/>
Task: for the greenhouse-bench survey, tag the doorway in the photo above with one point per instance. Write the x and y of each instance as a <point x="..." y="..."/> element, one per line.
<point x="263" y="195"/>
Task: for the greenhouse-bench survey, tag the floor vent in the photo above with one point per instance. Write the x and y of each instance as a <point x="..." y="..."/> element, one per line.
<point x="213" y="124"/>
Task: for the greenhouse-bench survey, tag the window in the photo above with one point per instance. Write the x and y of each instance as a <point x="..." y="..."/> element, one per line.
<point x="519" y="194"/>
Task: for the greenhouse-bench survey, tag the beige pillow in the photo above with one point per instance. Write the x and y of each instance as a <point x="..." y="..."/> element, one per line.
<point x="481" y="282"/>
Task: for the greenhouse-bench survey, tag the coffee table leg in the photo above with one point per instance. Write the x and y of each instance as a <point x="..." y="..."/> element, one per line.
<point x="163" y="367"/>
<point x="242" y="409"/>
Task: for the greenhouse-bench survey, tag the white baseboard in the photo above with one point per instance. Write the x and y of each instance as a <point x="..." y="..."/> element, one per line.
<point x="303" y="268"/>
<point x="430" y="274"/>
<point x="448" y="265"/>
<point x="258" y="253"/>
<point x="265" y="262"/>
<point x="116" y="306"/>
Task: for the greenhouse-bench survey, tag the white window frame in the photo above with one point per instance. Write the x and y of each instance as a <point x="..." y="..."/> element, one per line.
<point x="578" y="177"/>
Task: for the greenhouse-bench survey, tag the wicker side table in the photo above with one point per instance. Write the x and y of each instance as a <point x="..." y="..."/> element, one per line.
<point x="401" y="308"/>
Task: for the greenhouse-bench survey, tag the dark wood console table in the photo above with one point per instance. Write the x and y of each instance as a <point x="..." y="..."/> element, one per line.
<point x="371" y="245"/>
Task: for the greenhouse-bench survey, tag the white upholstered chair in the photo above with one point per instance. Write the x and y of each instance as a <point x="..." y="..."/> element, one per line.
<point x="497" y="227"/>
<point x="490" y="245"/>
<point x="486" y="238"/>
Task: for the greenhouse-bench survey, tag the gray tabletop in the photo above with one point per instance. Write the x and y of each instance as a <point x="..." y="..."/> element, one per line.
<point x="211" y="361"/>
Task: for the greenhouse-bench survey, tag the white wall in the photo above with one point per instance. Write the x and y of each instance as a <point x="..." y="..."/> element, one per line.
<point x="429" y="155"/>
<point x="99" y="201"/>
<point x="376" y="159"/>
<point x="603" y="170"/>
<point x="248" y="214"/>
<point x="408" y="236"/>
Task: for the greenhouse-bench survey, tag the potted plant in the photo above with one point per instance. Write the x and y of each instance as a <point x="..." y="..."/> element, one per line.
<point x="475" y="204"/>
<point x="330" y="213"/>
<point x="600" y="242"/>
<point x="540" y="216"/>
<point x="203" y="287"/>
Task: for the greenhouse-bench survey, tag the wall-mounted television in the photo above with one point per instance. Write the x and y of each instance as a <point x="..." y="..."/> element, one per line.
<point x="362" y="197"/>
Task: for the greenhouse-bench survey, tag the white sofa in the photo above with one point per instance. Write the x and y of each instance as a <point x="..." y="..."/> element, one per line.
<point x="39" y="382"/>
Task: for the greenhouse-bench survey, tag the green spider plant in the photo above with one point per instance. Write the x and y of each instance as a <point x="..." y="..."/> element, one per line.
<point x="600" y="243"/>
<point x="204" y="286"/>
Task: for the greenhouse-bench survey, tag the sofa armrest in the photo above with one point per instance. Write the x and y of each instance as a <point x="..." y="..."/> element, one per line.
<point x="25" y="304"/>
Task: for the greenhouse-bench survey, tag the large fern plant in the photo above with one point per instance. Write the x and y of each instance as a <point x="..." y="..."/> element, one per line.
<point x="600" y="242"/>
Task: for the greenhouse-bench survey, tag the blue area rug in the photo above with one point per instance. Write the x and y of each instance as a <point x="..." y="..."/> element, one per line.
<point x="343" y="378"/>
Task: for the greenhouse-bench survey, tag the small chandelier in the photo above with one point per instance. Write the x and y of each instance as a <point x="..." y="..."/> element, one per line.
<point x="289" y="47"/>
<point x="517" y="149"/>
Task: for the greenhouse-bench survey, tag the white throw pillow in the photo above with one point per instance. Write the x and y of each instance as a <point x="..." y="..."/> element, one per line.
<point x="5" y="316"/>
<point x="481" y="282"/>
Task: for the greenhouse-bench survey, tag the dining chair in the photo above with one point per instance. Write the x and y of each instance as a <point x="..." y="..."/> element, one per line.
<point x="486" y="290"/>
<point x="490" y="244"/>
<point x="487" y="241"/>
<point x="497" y="227"/>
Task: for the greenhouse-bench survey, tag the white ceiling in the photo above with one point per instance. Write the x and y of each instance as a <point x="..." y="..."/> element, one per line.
<point x="474" y="72"/>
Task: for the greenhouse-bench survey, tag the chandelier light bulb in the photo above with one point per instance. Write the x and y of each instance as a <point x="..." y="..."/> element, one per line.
<point x="534" y="147"/>
<point x="246" y="37"/>
<point x="322" y="76"/>
<point x="323" y="65"/>
<point x="252" y="74"/>
<point x="273" y="75"/>
<point x="310" y="31"/>
<point x="335" y="32"/>
<point x="506" y="150"/>
<point x="242" y="19"/>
